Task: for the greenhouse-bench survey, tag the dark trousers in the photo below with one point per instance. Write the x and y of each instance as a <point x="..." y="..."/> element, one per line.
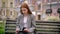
<point x="23" y="32"/>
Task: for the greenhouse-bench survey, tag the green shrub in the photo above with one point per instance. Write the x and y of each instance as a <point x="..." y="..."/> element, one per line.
<point x="52" y="18"/>
<point x="2" y="25"/>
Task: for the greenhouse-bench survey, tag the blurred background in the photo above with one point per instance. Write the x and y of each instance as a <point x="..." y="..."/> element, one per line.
<point x="10" y="9"/>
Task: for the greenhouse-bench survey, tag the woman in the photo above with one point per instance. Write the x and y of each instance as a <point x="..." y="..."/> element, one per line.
<point x="26" y="21"/>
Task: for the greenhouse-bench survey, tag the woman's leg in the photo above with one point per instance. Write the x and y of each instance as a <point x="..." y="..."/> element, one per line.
<point x="25" y="32"/>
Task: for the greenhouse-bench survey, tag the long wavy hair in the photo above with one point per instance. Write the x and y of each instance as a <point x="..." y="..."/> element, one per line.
<point x="24" y="5"/>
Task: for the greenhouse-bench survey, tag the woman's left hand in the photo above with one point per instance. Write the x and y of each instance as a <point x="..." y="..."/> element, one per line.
<point x="26" y="30"/>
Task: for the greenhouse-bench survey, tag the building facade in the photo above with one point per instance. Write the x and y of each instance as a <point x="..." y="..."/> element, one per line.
<point x="51" y="4"/>
<point x="7" y="9"/>
<point x="11" y="8"/>
<point x="40" y="7"/>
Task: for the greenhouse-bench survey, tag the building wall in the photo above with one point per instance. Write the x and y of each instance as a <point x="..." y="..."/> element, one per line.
<point x="8" y="11"/>
<point x="44" y="5"/>
<point x="54" y="7"/>
<point x="0" y="4"/>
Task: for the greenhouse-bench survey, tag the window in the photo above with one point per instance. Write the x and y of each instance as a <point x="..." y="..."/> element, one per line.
<point x="39" y="17"/>
<point x="38" y="0"/>
<point x="53" y="0"/>
<point x="4" y="12"/>
<point x="58" y="0"/>
<point x="39" y="6"/>
<point x="58" y="10"/>
<point x="11" y="4"/>
<point x="48" y="11"/>
<point x="30" y="1"/>
<point x="3" y="4"/>
<point x="0" y="11"/>
<point x="11" y="13"/>
<point x="43" y="1"/>
<point x="32" y="8"/>
<point x="49" y="1"/>
<point x="21" y="1"/>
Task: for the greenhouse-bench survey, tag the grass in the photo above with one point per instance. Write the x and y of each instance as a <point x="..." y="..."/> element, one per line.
<point x="2" y="25"/>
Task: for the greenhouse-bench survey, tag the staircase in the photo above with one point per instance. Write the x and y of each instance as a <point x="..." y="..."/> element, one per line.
<point x="10" y="27"/>
<point x="47" y="27"/>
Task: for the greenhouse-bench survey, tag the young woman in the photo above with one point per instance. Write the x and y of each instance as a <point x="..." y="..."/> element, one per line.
<point x="26" y="21"/>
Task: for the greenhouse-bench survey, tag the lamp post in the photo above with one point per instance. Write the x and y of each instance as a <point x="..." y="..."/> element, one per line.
<point x="50" y="3"/>
<point x="49" y="11"/>
<point x="58" y="12"/>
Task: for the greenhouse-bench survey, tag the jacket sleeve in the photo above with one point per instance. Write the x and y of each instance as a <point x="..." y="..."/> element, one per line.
<point x="17" y="23"/>
<point x="32" y="23"/>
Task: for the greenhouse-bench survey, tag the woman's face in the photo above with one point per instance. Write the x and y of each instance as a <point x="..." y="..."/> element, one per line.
<point x="24" y="10"/>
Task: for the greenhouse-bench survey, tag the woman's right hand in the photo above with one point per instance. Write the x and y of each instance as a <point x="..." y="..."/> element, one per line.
<point x="17" y="30"/>
<point x="26" y="30"/>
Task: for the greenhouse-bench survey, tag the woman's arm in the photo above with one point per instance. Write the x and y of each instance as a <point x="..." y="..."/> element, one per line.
<point x="32" y="23"/>
<point x="17" y="25"/>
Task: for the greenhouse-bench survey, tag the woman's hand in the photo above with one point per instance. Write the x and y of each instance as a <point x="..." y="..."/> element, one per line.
<point x="17" y="30"/>
<point x="26" y="30"/>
